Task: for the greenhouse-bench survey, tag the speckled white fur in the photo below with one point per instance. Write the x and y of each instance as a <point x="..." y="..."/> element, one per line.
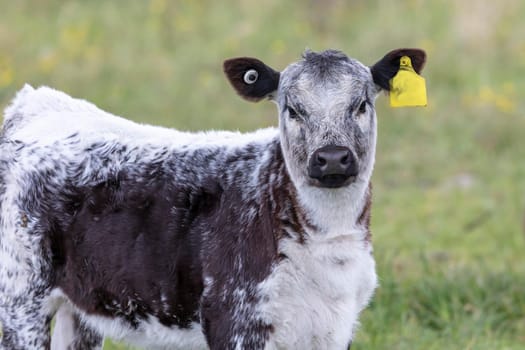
<point x="315" y="297"/>
<point x="151" y="334"/>
<point x="47" y="115"/>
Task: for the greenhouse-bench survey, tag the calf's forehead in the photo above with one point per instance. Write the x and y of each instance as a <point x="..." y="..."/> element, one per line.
<point x="326" y="72"/>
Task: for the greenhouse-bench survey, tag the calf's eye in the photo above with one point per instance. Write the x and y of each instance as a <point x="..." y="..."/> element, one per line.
<point x="292" y="113"/>
<point x="362" y="107"/>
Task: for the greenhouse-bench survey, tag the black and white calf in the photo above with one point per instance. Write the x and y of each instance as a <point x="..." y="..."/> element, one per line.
<point x="176" y="240"/>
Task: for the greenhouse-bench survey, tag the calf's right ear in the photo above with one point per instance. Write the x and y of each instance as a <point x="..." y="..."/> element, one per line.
<point x="251" y="78"/>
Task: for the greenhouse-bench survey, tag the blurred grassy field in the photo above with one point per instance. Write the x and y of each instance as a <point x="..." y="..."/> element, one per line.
<point x="449" y="201"/>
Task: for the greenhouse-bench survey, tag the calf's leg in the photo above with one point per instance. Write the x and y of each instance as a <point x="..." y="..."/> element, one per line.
<point x="71" y="332"/>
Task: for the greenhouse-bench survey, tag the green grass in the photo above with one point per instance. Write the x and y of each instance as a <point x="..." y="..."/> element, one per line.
<point x="449" y="184"/>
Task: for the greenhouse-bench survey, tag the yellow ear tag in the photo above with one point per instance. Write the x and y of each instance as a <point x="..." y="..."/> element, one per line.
<point x="407" y="88"/>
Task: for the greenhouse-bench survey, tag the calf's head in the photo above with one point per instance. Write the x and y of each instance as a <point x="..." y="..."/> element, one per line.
<point x="326" y="108"/>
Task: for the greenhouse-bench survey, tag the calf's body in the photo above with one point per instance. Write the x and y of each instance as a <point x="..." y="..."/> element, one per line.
<point x="175" y="240"/>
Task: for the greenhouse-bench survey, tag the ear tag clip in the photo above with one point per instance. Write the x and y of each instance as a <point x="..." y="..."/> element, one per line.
<point x="407" y="88"/>
<point x="251" y="76"/>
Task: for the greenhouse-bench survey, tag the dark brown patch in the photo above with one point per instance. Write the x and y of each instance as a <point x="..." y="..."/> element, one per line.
<point x="266" y="83"/>
<point x="289" y="215"/>
<point x="131" y="252"/>
<point x="387" y="67"/>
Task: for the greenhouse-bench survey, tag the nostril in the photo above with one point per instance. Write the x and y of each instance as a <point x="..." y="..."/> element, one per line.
<point x="345" y="160"/>
<point x="321" y="160"/>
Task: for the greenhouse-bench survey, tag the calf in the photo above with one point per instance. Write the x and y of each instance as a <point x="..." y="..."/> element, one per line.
<point x="218" y="240"/>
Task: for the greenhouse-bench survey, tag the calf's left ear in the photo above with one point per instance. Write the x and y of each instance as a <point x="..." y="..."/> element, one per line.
<point x="387" y="67"/>
<point x="252" y="79"/>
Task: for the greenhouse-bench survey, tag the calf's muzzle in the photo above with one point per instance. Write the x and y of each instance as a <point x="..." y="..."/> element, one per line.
<point x="333" y="166"/>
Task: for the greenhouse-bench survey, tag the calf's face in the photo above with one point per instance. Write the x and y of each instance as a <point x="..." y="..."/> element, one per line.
<point x="327" y="117"/>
